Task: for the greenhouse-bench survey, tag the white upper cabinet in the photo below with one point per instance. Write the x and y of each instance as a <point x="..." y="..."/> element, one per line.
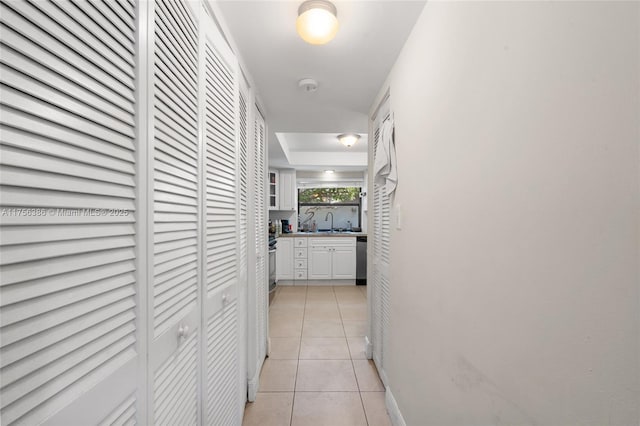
<point x="288" y="194"/>
<point x="282" y="193"/>
<point x="274" y="190"/>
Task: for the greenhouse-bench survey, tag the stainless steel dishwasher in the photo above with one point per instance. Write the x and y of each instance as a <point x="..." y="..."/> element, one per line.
<point x="361" y="260"/>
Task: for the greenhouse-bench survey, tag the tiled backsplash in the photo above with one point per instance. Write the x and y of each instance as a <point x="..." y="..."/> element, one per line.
<point x="341" y="216"/>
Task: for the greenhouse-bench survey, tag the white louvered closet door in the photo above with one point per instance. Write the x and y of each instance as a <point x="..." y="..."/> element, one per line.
<point x="243" y="182"/>
<point x="258" y="286"/>
<point x="175" y="334"/>
<point x="380" y="302"/>
<point x="68" y="351"/>
<point x="222" y="248"/>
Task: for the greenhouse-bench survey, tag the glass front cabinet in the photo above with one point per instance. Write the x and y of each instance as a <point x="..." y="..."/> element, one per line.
<point x="273" y="190"/>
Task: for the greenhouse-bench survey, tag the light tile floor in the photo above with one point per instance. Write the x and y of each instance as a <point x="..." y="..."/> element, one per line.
<point x="317" y="373"/>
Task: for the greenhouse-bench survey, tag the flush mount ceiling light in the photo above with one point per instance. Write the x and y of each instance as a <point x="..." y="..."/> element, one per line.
<point x="329" y="172"/>
<point x="317" y="21"/>
<point x="348" y="139"/>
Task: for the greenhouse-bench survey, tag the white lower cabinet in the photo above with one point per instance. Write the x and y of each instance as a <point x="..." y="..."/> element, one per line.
<point x="343" y="263"/>
<point x="332" y="258"/>
<point x="319" y="263"/>
<point x="284" y="259"/>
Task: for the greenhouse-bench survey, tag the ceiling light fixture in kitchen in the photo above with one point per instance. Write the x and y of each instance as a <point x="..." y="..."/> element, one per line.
<point x="317" y="21"/>
<point x="348" y="139"/>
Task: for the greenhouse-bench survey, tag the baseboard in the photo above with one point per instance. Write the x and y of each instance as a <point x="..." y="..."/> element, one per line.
<point x="368" y="348"/>
<point x="393" y="410"/>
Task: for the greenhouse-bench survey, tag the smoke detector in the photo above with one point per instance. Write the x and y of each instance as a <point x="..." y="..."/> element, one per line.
<point x="308" y="85"/>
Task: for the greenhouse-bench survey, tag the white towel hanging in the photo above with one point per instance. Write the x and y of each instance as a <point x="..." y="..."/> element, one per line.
<point x="385" y="171"/>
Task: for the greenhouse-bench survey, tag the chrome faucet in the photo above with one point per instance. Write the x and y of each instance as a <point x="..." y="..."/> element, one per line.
<point x="327" y="218"/>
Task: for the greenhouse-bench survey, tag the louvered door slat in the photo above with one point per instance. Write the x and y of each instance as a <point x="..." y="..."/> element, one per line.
<point x="124" y="414"/>
<point x="16" y="28"/>
<point x="19" y="158"/>
<point x="30" y="70"/>
<point x="48" y="148"/>
<point x="39" y="57"/>
<point x="67" y="289"/>
<point x="118" y="63"/>
<point x="179" y="110"/>
<point x="222" y="366"/>
<point x="184" y="28"/>
<point x="169" y="32"/>
<point x="175" y="387"/>
<point x="109" y="29"/>
<point x="65" y="40"/>
<point x="34" y="133"/>
<point x="67" y="15"/>
<point x="58" y="283"/>
<point x="14" y="372"/>
<point x="111" y="13"/>
<point x="56" y="98"/>
<point x="49" y="112"/>
<point x="12" y="315"/>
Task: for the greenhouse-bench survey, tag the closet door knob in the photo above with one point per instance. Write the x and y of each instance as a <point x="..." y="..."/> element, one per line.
<point x="183" y="331"/>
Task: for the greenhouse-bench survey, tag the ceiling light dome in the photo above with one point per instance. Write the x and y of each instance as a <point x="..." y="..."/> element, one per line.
<point x="317" y="21"/>
<point x="348" y="139"/>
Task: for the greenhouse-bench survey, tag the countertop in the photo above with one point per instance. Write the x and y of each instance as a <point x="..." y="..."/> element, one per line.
<point x="323" y="234"/>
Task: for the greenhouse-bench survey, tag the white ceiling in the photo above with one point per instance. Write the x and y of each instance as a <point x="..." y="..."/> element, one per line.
<point x="350" y="69"/>
<point x="315" y="151"/>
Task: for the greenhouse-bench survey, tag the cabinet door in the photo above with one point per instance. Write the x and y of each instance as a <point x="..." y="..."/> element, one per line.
<point x="274" y="197"/>
<point x="343" y="263"/>
<point x="319" y="263"/>
<point x="284" y="259"/>
<point x="287" y="188"/>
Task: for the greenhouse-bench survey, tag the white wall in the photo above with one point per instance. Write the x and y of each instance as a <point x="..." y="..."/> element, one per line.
<point x="515" y="276"/>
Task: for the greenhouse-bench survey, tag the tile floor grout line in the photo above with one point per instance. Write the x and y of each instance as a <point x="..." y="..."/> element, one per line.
<point x="295" y="380"/>
<point x="353" y="367"/>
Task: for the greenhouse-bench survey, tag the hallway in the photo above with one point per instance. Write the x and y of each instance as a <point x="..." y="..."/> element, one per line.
<point x="317" y="373"/>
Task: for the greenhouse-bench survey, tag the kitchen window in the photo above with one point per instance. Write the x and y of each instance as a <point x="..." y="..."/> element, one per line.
<point x="315" y="203"/>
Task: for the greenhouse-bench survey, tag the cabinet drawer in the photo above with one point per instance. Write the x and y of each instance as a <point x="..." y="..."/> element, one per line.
<point x="300" y="275"/>
<point x="300" y="253"/>
<point x="300" y="264"/>
<point x="300" y="242"/>
<point x="332" y="242"/>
